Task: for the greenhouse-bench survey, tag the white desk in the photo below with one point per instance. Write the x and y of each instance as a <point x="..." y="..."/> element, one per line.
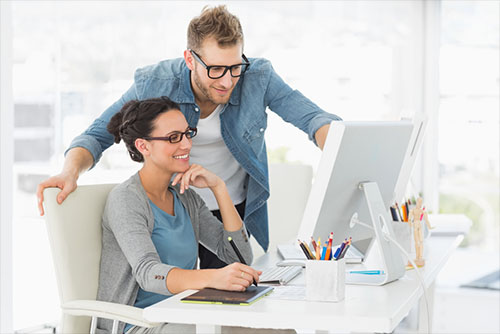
<point x="365" y="308"/>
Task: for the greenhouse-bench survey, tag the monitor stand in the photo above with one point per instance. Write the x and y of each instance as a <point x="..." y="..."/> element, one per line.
<point x="390" y="256"/>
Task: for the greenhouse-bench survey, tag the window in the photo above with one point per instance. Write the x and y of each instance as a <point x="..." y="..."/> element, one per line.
<point x="469" y="117"/>
<point x="354" y="59"/>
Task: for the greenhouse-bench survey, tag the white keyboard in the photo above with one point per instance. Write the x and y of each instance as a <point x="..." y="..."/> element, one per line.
<point x="279" y="275"/>
<point x="290" y="251"/>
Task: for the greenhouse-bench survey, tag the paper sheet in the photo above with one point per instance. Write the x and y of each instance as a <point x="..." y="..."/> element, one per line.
<point x="288" y="292"/>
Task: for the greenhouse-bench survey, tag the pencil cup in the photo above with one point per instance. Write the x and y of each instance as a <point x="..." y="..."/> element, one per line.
<point x="402" y="233"/>
<point x="325" y="280"/>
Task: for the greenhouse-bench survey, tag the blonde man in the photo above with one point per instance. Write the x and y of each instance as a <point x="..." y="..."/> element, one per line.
<point x="225" y="95"/>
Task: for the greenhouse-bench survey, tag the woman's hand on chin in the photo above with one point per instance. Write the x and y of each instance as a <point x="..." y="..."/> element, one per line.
<point x="197" y="176"/>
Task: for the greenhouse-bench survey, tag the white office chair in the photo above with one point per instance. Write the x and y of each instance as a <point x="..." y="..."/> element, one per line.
<point x="75" y="234"/>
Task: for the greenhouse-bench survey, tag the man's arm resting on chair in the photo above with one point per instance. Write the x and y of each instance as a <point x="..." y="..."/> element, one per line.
<point x="77" y="161"/>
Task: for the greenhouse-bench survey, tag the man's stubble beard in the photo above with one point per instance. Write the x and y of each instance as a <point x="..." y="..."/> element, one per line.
<point x="206" y="92"/>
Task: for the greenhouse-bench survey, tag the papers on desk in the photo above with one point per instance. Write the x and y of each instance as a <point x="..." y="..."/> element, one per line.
<point x="449" y="224"/>
<point x="288" y="292"/>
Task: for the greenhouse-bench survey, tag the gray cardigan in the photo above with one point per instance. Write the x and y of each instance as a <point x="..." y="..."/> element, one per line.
<point x="129" y="259"/>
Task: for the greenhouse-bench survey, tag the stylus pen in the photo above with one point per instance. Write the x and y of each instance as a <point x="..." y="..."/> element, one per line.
<point x="237" y="251"/>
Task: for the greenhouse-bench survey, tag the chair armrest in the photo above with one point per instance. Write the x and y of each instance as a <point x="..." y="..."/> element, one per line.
<point x="94" y="308"/>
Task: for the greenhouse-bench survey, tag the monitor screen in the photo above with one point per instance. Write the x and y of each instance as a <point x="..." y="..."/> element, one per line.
<point x="416" y="140"/>
<point x="354" y="152"/>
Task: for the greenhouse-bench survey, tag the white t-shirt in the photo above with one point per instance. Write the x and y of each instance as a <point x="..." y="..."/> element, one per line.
<point x="210" y="151"/>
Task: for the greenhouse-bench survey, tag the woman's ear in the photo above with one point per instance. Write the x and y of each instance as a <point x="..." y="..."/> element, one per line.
<point x="142" y="146"/>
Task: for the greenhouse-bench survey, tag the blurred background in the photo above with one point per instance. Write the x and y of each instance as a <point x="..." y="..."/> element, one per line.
<point x="362" y="60"/>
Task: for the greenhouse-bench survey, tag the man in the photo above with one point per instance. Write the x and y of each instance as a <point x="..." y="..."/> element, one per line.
<point x="224" y="95"/>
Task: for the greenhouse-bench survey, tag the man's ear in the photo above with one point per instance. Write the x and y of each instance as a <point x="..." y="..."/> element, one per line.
<point x="142" y="146"/>
<point x="188" y="58"/>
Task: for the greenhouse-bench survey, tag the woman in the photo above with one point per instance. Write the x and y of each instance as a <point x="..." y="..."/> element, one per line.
<point x="152" y="226"/>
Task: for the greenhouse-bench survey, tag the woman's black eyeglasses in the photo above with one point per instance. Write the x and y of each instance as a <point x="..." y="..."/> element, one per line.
<point x="176" y="136"/>
<point x="218" y="71"/>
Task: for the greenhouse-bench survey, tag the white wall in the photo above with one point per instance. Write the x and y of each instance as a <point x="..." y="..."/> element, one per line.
<point x="429" y="168"/>
<point x="6" y="160"/>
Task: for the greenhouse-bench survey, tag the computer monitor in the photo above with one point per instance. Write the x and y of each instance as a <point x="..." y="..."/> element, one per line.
<point x="356" y="153"/>
<point x="416" y="140"/>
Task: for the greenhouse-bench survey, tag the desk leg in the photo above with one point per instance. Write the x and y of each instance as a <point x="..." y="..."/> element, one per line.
<point x="208" y="329"/>
<point x="422" y="313"/>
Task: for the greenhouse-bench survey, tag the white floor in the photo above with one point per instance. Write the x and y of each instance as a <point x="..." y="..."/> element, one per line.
<point x="464" y="310"/>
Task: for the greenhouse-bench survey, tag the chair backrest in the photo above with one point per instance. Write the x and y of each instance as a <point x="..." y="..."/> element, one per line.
<point x="75" y="235"/>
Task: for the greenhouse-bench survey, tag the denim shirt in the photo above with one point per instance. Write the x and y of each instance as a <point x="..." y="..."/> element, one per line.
<point x="243" y="122"/>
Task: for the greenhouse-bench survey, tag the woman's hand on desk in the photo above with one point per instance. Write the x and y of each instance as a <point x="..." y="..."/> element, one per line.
<point x="234" y="277"/>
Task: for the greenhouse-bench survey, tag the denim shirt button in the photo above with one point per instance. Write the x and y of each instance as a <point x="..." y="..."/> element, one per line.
<point x="196" y="109"/>
<point x="261" y="130"/>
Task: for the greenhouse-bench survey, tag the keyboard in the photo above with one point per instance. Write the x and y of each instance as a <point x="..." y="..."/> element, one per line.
<point x="289" y="251"/>
<point x="279" y="275"/>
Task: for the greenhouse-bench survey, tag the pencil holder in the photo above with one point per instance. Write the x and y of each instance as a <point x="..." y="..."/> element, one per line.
<point x="325" y="280"/>
<point x="402" y="233"/>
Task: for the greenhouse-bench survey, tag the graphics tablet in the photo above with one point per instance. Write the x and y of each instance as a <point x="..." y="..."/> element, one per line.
<point x="214" y="296"/>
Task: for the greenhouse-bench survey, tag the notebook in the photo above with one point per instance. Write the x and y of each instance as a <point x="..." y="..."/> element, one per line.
<point x="214" y="296"/>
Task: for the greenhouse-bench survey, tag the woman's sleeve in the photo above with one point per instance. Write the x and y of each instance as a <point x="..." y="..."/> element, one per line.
<point x="126" y="215"/>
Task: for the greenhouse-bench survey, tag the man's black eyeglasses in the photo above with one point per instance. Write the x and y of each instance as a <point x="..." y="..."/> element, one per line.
<point x="176" y="136"/>
<point x="218" y="71"/>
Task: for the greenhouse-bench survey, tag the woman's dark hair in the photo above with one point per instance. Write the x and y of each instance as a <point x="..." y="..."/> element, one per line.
<point x="136" y="120"/>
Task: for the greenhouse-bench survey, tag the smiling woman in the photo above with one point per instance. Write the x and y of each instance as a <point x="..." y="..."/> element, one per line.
<point x="152" y="227"/>
<point x="137" y="120"/>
